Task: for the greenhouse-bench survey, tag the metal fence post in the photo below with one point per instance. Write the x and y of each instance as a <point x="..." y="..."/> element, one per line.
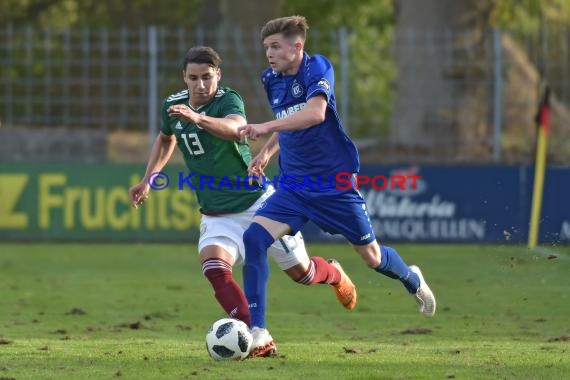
<point x="152" y="86"/>
<point x="498" y="95"/>
<point x="29" y="89"/>
<point x="9" y="102"/>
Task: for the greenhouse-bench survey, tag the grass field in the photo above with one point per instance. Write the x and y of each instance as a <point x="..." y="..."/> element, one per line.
<point x="77" y="311"/>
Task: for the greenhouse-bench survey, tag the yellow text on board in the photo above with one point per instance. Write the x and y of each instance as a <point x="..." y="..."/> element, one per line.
<point x="94" y="207"/>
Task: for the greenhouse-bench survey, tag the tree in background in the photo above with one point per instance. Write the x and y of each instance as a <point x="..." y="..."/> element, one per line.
<point x="370" y="25"/>
<point x="62" y="14"/>
<point x="445" y="96"/>
<point x="423" y="107"/>
<point x="528" y="15"/>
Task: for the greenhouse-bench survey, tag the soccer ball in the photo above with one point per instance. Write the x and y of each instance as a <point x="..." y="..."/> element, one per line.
<point x="228" y="339"/>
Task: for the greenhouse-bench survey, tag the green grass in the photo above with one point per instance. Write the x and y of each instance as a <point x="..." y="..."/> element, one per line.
<point x="70" y="311"/>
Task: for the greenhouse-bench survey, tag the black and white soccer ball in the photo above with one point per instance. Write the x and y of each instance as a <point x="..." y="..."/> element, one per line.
<point x="228" y="339"/>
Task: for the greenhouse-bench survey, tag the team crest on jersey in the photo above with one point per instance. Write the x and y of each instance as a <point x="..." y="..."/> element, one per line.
<point x="297" y="90"/>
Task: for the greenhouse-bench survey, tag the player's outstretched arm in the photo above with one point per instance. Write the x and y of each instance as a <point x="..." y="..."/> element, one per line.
<point x="258" y="164"/>
<point x="223" y="127"/>
<point x="270" y="148"/>
<point x="312" y="114"/>
<point x="161" y="152"/>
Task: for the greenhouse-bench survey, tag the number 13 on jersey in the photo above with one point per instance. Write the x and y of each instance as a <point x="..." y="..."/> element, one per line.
<point x="192" y="143"/>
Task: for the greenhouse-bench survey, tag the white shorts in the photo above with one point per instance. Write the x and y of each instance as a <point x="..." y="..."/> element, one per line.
<point x="226" y="231"/>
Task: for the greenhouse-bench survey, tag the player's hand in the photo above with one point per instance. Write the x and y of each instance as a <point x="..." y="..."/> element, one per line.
<point x="252" y="131"/>
<point x="182" y="112"/>
<point x="139" y="193"/>
<point x="257" y="165"/>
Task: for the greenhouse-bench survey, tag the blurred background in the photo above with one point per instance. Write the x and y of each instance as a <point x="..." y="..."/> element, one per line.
<point x="422" y="87"/>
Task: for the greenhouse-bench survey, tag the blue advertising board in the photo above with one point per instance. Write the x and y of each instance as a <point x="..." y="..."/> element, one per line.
<point x="75" y="202"/>
<point x="460" y="204"/>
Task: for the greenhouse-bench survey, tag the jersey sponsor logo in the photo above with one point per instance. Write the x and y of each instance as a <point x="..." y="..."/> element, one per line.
<point x="364" y="237"/>
<point x="290" y="110"/>
<point x="178" y="125"/>
<point x="297" y="90"/>
<point x="324" y="84"/>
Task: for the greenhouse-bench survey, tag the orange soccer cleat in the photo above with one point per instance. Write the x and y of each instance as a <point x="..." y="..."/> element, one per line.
<point x="345" y="289"/>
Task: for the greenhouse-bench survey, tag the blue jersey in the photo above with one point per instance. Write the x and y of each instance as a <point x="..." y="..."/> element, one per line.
<point x="321" y="151"/>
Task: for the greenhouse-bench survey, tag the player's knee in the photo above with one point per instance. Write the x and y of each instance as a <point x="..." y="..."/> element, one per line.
<point x="249" y="238"/>
<point x="256" y="240"/>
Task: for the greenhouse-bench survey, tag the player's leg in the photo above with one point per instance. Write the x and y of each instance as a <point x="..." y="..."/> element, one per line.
<point x="258" y="237"/>
<point x="219" y="250"/>
<point x="275" y="216"/>
<point x="217" y="267"/>
<point x="383" y="259"/>
<point x="256" y="240"/>
<point x="291" y="255"/>
<point x="347" y="215"/>
<point x="387" y="261"/>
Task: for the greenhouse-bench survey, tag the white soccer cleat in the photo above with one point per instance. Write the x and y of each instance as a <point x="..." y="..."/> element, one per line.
<point x="424" y="296"/>
<point x="263" y="344"/>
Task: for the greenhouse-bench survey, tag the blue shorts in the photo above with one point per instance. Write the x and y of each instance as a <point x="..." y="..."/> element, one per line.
<point x="342" y="213"/>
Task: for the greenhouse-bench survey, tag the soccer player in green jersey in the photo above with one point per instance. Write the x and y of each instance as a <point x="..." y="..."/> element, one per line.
<point x="203" y="121"/>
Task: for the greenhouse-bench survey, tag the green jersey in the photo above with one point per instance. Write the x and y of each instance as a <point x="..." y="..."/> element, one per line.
<point x="218" y="168"/>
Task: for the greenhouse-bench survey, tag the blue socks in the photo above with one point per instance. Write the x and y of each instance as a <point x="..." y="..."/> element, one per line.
<point x="392" y="265"/>
<point x="256" y="240"/>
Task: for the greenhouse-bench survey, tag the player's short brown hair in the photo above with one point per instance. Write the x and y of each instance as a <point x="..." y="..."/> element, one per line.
<point x="202" y="54"/>
<point x="290" y="26"/>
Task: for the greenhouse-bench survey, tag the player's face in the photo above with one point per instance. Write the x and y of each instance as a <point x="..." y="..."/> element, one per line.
<point x="202" y="81"/>
<point x="283" y="54"/>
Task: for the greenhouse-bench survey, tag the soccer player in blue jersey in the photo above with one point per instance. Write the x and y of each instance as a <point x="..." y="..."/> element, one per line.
<point x="313" y="149"/>
<point x="203" y="120"/>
